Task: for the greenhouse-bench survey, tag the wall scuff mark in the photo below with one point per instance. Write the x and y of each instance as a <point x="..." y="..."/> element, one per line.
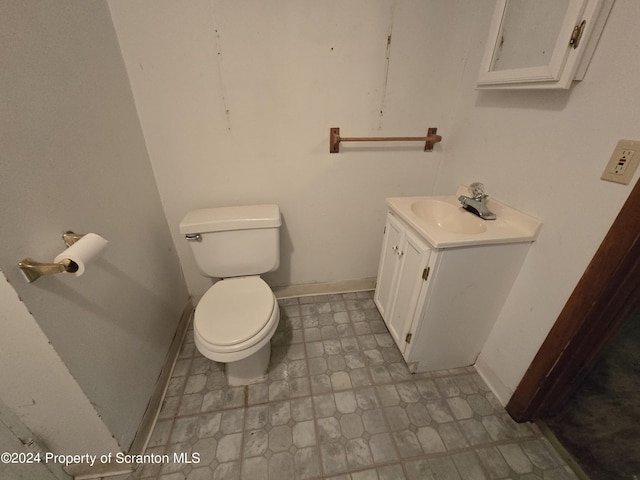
<point x="386" y="66"/>
<point x="227" y="111"/>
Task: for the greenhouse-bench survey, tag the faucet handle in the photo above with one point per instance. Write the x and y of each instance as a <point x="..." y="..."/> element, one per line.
<point x="477" y="190"/>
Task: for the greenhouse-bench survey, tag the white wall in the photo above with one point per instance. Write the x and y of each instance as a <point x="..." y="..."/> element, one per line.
<point x="544" y="152"/>
<point x="236" y="100"/>
<point x="73" y="157"/>
<point x="39" y="389"/>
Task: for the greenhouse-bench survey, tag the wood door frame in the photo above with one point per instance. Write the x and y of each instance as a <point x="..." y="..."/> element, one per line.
<point x="607" y="293"/>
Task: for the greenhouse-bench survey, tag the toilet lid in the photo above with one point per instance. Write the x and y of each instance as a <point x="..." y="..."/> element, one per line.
<point x="234" y="310"/>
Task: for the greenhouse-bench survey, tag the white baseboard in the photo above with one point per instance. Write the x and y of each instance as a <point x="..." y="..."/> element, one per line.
<point x="492" y="380"/>
<point x="345" y="286"/>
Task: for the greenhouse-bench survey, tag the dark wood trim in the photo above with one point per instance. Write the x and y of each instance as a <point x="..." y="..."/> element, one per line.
<point x="607" y="292"/>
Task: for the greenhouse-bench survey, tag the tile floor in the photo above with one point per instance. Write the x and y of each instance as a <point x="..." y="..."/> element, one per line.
<point x="340" y="404"/>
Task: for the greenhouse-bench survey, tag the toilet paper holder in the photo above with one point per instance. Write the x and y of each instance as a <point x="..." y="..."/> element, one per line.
<point x="33" y="270"/>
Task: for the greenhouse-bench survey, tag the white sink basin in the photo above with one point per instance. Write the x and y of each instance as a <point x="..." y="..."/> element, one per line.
<point x="443" y="222"/>
<point x="447" y="217"/>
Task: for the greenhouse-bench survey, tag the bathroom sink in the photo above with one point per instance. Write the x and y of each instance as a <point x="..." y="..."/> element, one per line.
<point x="447" y="216"/>
<point x="443" y="223"/>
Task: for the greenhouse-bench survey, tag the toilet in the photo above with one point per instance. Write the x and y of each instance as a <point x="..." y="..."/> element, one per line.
<point x="234" y="321"/>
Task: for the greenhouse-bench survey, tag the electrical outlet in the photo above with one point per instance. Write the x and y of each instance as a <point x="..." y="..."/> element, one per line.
<point x="623" y="162"/>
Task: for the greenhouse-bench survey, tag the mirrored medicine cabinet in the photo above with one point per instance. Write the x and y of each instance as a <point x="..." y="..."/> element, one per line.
<point x="541" y="44"/>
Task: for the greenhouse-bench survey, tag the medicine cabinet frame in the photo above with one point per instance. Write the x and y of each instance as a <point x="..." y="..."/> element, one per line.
<point x="578" y="36"/>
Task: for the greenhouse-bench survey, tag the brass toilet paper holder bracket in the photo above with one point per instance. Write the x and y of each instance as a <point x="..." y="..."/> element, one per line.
<point x="33" y="270"/>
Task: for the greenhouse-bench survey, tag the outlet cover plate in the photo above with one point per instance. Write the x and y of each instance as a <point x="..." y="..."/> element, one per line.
<point x="623" y="162"/>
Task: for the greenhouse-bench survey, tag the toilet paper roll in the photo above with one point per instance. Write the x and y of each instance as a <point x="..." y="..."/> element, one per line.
<point x="83" y="251"/>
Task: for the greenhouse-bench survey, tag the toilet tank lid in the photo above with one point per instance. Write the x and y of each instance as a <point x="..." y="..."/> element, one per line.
<point x="242" y="217"/>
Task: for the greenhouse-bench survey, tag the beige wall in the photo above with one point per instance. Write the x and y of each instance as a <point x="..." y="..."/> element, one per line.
<point x="236" y="98"/>
<point x="73" y="157"/>
<point x="38" y="388"/>
<point x="235" y="101"/>
<point x="544" y="152"/>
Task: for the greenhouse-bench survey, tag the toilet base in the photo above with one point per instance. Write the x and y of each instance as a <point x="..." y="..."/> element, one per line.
<point x="249" y="370"/>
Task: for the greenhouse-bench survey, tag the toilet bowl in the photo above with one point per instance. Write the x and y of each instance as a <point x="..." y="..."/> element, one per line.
<point x="233" y="323"/>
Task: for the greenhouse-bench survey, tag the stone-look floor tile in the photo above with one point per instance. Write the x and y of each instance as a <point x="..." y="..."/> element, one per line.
<point x="320" y="383"/>
<point x="183" y="450"/>
<point x="340" y="380"/>
<point x="258" y="393"/>
<point x="256" y="468"/>
<point x="388" y="395"/>
<point x="229" y="447"/>
<point x="407" y="443"/>
<point x="419" y="470"/>
<point x="190" y="404"/>
<point x="391" y="472"/>
<point x="169" y="407"/>
<point x="334" y="458"/>
<point x="374" y="422"/>
<point x="460" y="408"/>
<point x="255" y="443"/>
<point x="430" y="440"/>
<point x="418" y="414"/>
<point x="359" y="377"/>
<point x="496" y="428"/>
<point x="304" y="434"/>
<point x="358" y="453"/>
<point x="184" y="429"/>
<point x="176" y="386"/>
<point x="382" y="448"/>
<point x="397" y="417"/>
<point x="345" y="402"/>
<point x="444" y="468"/>
<point x="475" y="431"/>
<point x="516" y="458"/>
<point x="366" y="398"/>
<point x="227" y="471"/>
<point x="339" y="403"/>
<point x="493" y="462"/>
<point x="439" y="411"/>
<point x="427" y="389"/>
<point x="541" y="454"/>
<point x="452" y="436"/>
<point x="468" y="466"/>
<point x="280" y="438"/>
<point x="306" y="463"/>
<point x="161" y="433"/>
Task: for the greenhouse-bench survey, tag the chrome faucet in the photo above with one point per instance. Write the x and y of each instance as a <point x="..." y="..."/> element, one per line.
<point x="477" y="203"/>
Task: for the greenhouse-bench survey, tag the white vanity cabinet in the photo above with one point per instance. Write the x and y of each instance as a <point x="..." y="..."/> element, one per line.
<point x="440" y="304"/>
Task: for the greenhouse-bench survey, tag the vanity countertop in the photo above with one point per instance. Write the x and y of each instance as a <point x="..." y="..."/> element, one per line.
<point x="443" y="222"/>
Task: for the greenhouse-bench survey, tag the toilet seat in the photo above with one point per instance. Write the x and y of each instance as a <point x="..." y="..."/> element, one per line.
<point x="235" y="317"/>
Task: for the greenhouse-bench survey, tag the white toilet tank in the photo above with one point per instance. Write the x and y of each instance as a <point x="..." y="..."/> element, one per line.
<point x="234" y="241"/>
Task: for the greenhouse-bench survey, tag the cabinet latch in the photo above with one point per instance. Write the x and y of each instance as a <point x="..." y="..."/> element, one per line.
<point x="408" y="338"/>
<point x="425" y="273"/>
<point x="576" y="35"/>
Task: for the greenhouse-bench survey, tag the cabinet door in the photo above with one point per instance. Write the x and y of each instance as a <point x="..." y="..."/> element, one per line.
<point x="388" y="268"/>
<point x="414" y="257"/>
